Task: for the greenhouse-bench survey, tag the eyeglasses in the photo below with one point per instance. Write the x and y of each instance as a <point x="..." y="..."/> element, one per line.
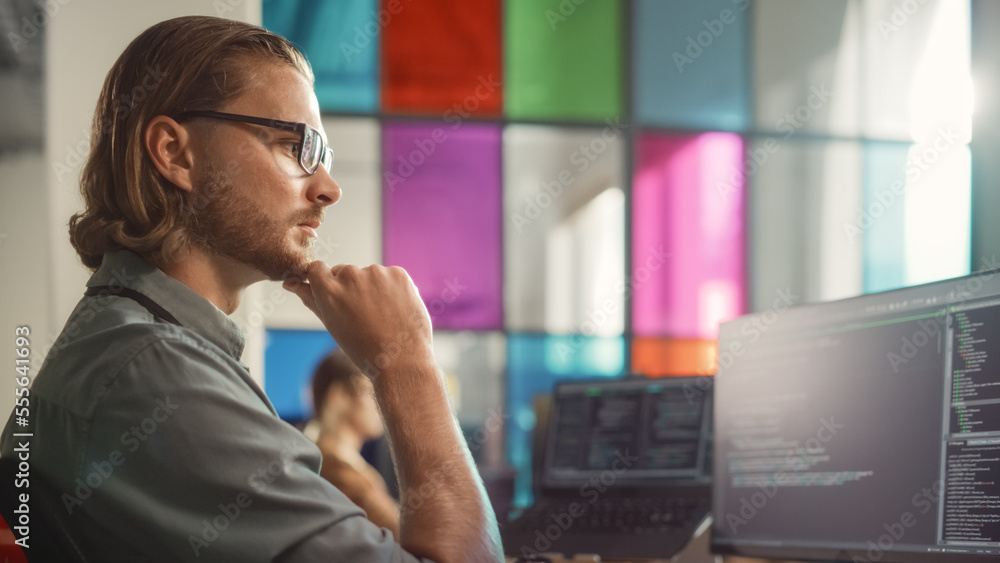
<point x="312" y="150"/>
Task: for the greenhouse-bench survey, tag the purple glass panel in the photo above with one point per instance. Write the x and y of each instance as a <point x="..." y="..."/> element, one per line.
<point x="687" y="254"/>
<point x="442" y="206"/>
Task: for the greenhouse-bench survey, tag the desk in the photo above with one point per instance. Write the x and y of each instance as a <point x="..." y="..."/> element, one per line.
<point x="697" y="551"/>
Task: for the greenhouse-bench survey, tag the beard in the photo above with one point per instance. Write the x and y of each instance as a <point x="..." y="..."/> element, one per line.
<point x="231" y="224"/>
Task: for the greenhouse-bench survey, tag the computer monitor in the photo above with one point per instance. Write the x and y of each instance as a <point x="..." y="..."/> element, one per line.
<point x="862" y="430"/>
<point x="658" y="422"/>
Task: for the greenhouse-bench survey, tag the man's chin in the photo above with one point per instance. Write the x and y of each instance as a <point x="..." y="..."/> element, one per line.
<point x="296" y="267"/>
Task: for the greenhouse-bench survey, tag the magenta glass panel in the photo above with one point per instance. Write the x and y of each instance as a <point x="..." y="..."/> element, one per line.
<point x="442" y="213"/>
<point x="687" y="253"/>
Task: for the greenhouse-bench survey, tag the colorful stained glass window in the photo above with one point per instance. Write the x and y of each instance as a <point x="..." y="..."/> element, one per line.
<point x="441" y="218"/>
<point x="563" y="59"/>
<point x="442" y="57"/>
<point x="585" y="189"/>
<point x="691" y="64"/>
<point x="534" y="364"/>
<point x="687" y="239"/>
<point x="341" y="40"/>
<point x="564" y="230"/>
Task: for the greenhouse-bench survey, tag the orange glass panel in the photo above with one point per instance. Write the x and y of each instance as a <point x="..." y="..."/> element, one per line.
<point x="662" y="357"/>
<point x="442" y="57"/>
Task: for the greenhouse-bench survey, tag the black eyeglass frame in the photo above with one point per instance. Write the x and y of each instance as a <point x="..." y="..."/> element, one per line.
<point x="326" y="153"/>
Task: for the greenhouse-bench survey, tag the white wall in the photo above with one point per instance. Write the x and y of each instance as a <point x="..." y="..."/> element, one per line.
<point x="26" y="277"/>
<point x="42" y="279"/>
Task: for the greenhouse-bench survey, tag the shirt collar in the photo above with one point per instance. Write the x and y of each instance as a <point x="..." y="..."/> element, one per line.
<point x="124" y="268"/>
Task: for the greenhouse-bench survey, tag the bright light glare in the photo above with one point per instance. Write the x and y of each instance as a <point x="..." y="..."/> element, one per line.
<point x="941" y="92"/>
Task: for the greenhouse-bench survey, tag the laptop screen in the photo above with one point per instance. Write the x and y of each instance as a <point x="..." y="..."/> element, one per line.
<point x="629" y="432"/>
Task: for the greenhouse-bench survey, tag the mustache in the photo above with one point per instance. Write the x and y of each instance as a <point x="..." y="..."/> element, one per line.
<point x="318" y="213"/>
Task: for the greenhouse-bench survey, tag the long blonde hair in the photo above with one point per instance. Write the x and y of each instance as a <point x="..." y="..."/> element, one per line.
<point x="182" y="64"/>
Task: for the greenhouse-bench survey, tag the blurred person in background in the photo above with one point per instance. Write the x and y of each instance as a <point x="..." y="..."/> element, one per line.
<point x="347" y="416"/>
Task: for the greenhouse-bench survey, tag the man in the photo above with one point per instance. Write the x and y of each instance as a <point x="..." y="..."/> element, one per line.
<point x="144" y="421"/>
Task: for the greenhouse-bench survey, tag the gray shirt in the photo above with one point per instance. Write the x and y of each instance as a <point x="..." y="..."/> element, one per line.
<point x="162" y="448"/>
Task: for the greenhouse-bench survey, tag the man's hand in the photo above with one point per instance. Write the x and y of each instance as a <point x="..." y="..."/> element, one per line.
<point x="375" y="314"/>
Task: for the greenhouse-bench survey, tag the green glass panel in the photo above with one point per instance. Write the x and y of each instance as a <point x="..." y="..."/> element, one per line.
<point x="563" y="59"/>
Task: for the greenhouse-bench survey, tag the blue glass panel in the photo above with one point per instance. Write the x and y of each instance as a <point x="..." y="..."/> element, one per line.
<point x="290" y="358"/>
<point x="534" y="363"/>
<point x="882" y="216"/>
<point x="341" y="40"/>
<point x="691" y="64"/>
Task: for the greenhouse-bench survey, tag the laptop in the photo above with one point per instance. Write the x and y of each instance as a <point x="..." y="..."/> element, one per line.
<point x="626" y="470"/>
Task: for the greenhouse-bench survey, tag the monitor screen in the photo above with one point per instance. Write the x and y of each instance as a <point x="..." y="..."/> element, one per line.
<point x="862" y="430"/>
<point x="654" y="430"/>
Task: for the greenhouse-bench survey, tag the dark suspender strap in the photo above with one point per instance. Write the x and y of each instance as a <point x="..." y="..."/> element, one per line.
<point x="140" y="298"/>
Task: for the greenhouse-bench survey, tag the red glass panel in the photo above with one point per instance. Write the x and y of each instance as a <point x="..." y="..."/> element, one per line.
<point x="441" y="57"/>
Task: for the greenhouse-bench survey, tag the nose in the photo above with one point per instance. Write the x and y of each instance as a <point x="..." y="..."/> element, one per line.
<point x="323" y="190"/>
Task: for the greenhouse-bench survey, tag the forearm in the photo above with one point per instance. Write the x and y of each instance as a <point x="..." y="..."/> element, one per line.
<point x="376" y="315"/>
<point x="444" y="512"/>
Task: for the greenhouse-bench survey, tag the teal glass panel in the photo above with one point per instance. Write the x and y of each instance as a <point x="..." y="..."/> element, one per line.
<point x="882" y="216"/>
<point x="691" y="64"/>
<point x="341" y="40"/>
<point x="535" y="362"/>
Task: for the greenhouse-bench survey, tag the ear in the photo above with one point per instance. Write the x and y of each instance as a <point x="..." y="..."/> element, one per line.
<point x="168" y="145"/>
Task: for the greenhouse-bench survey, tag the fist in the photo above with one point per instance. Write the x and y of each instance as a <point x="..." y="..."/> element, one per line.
<point x="374" y="313"/>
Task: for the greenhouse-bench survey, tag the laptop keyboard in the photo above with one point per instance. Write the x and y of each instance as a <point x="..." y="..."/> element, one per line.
<point x="621" y="515"/>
